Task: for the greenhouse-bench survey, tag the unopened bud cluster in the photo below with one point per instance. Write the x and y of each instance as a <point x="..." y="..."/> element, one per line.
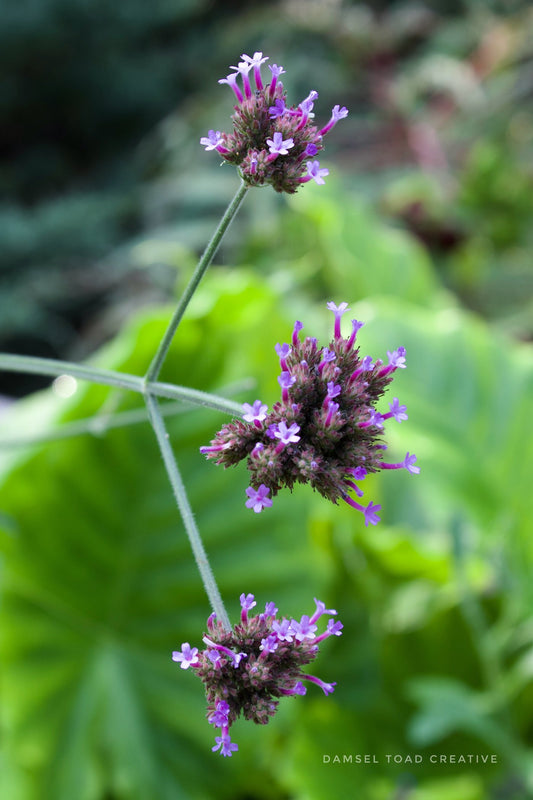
<point x="325" y="430"/>
<point x="271" y="143"/>
<point x="247" y="669"/>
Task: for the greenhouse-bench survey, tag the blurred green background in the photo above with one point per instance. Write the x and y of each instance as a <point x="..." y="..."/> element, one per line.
<point x="424" y="226"/>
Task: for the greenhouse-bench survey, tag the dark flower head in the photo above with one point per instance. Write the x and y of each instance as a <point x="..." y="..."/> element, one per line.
<point x="247" y="669"/>
<point x="326" y="430"/>
<point x="272" y="143"/>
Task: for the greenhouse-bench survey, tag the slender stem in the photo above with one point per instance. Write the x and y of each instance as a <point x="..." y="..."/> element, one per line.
<point x="53" y="367"/>
<point x="122" y="380"/>
<point x="97" y="425"/>
<point x="157" y="362"/>
<point x="194" y="396"/>
<point x="186" y="512"/>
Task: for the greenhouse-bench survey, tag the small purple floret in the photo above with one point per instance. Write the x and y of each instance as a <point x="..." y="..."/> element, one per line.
<point x="256" y="62"/>
<point x="283" y="350"/>
<point x="337" y="113"/>
<point x="247" y="601"/>
<point x="278" y="145"/>
<point x="275" y="70"/>
<point x="375" y="419"/>
<point x="213" y="140"/>
<point x="327" y="688"/>
<point x="269" y="644"/>
<point x="409" y="464"/>
<point x="231" y="80"/>
<point x="270" y="609"/>
<point x="296" y="330"/>
<point x="215" y="657"/>
<point x="397" y="358"/>
<point x="334" y="389"/>
<point x="327" y="357"/>
<point x="304" y="629"/>
<point x="219" y="717"/>
<point x="258" y="498"/>
<point x="227" y="747"/>
<point x="307" y="105"/>
<point x="188" y="656"/>
<point x="299" y="688"/>
<point x="315" y="173"/>
<point x="397" y="411"/>
<point x="371" y="517"/>
<point x="356" y="326"/>
<point x="334" y="628"/>
<point x="321" y="610"/>
<point x="286" y="380"/>
<point x="278" y="109"/>
<point x="283" y="630"/>
<point x="338" y="311"/>
<point x="254" y="413"/>
<point x="287" y="435"/>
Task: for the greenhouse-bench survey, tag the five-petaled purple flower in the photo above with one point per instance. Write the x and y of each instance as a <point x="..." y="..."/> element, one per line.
<point x="187" y="655"/>
<point x="326" y="430"/>
<point x="315" y="173"/>
<point x="254" y="413"/>
<point x="287" y="435"/>
<point x="227" y="747"/>
<point x="337" y="113"/>
<point x="246" y="670"/>
<point x="397" y="411"/>
<point x="278" y="145"/>
<point x="277" y="110"/>
<point x="213" y="141"/>
<point x="258" y="498"/>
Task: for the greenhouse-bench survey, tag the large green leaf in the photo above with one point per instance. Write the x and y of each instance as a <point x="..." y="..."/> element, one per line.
<point x="331" y="243"/>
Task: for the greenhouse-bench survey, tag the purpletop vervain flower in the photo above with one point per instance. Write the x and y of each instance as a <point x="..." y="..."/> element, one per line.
<point x="258" y="498"/>
<point x="337" y="113"/>
<point x="246" y="670"/>
<point x="314" y="173"/>
<point x="278" y="109"/>
<point x="187" y="655"/>
<point x="271" y="141"/>
<point x="326" y="430"/>
<point x="255" y="413"/>
<point x="278" y="145"/>
<point x="213" y="141"/>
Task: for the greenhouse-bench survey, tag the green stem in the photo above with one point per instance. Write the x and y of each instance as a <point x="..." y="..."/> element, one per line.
<point x="53" y="367"/>
<point x="194" y="396"/>
<point x="157" y="362"/>
<point x="97" y="425"/>
<point x="182" y="500"/>
<point x="121" y="380"/>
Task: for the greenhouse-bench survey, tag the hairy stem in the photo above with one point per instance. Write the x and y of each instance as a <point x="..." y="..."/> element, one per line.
<point x="54" y="367"/>
<point x="182" y="500"/>
<point x="157" y="362"/>
<point x="97" y="425"/>
<point x="121" y="380"/>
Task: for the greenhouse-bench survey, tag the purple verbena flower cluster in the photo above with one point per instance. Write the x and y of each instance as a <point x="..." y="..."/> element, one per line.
<point x="271" y="143"/>
<point x="246" y="670"/>
<point x="325" y="430"/>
